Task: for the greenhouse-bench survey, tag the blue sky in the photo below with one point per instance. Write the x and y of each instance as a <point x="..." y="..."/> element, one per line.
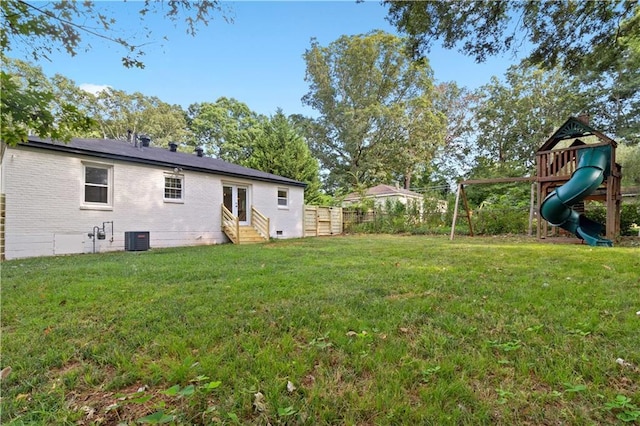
<point x="257" y="59"/>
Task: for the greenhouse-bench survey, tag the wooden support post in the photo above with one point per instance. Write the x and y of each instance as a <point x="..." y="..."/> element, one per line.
<point x="455" y="212"/>
<point x="539" y="221"/>
<point x="531" y="208"/>
<point x="481" y="181"/>
<point x="611" y="210"/>
<point x="466" y="207"/>
<point x="618" y="198"/>
<point x="613" y="198"/>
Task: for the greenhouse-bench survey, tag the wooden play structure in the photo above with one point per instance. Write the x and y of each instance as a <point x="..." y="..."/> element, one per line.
<point x="557" y="161"/>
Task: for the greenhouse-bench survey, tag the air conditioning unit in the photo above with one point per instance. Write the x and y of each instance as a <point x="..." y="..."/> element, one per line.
<point x="136" y="240"/>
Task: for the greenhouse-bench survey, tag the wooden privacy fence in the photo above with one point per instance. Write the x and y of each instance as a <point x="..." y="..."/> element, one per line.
<point x="354" y="216"/>
<point x="322" y="221"/>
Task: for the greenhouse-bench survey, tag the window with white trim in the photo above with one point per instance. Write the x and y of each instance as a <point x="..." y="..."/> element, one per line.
<point x="173" y="188"/>
<point x="98" y="185"/>
<point x="283" y="198"/>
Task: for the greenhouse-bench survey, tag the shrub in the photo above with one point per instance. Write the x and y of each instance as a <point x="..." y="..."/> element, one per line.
<point x="504" y="213"/>
<point x="395" y="217"/>
<point x="495" y="221"/>
<point x="629" y="215"/>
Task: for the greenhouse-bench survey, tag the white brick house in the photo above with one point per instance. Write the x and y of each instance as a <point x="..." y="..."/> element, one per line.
<point x="57" y="194"/>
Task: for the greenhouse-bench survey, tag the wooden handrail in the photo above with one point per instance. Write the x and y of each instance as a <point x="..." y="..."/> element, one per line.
<point x="575" y="148"/>
<point x="230" y="225"/>
<point x="260" y="222"/>
<point x="561" y="162"/>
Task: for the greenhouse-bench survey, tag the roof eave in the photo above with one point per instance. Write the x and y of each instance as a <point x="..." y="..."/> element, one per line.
<point x="110" y="156"/>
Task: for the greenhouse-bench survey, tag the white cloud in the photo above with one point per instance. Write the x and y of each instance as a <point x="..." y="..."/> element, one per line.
<point x="94" y="88"/>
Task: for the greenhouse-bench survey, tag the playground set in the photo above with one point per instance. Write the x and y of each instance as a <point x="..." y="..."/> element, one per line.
<point x="577" y="163"/>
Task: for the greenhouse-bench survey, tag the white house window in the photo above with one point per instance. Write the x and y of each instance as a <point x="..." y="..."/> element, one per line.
<point x="97" y="186"/>
<point x="283" y="198"/>
<point x="173" y="188"/>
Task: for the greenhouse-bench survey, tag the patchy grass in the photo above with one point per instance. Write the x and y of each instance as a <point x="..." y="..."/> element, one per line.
<point x="346" y="330"/>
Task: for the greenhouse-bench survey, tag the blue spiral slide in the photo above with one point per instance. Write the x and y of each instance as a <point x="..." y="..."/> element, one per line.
<point x="593" y="167"/>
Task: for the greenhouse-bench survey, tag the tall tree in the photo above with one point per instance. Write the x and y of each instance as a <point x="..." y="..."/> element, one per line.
<point x="118" y="113"/>
<point x="29" y="105"/>
<point x="422" y="130"/>
<point x="113" y="113"/>
<point x="629" y="157"/>
<point x="66" y="90"/>
<point x="40" y="28"/>
<point x="613" y="86"/>
<point x="282" y="150"/>
<point x="226" y="129"/>
<point x="455" y="157"/>
<point x="568" y="33"/>
<point x="516" y="116"/>
<point x="165" y="123"/>
<point x="71" y="26"/>
<point x="365" y="89"/>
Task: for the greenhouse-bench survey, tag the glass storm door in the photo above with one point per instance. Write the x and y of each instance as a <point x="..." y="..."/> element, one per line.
<point x="235" y="200"/>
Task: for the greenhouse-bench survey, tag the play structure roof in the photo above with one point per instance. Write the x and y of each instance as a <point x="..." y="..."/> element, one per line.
<point x="571" y="129"/>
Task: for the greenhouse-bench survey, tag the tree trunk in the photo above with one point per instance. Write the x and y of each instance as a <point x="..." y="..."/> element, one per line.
<point x="407" y="180"/>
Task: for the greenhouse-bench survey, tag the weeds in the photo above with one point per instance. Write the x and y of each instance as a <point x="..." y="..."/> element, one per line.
<point x="624" y="409"/>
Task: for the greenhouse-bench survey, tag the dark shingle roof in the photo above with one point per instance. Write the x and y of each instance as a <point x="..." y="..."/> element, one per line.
<point x="163" y="157"/>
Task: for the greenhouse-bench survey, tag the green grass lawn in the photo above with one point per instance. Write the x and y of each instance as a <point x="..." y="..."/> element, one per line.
<point x="356" y="330"/>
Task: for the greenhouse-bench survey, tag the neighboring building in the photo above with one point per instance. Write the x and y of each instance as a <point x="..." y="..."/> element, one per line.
<point x="381" y="194"/>
<point x="56" y="194"/>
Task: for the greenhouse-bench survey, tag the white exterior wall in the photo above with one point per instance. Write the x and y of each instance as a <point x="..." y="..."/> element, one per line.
<point x="284" y="222"/>
<point x="44" y="213"/>
<point x="264" y="197"/>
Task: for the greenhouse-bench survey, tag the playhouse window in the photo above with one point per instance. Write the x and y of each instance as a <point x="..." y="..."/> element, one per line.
<point x="173" y="188"/>
<point x="97" y="185"/>
<point x="283" y="198"/>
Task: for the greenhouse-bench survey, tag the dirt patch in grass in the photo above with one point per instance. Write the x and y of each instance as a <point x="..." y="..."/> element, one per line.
<point x="624" y="385"/>
<point x="107" y="408"/>
<point x="98" y="406"/>
<point x="68" y="368"/>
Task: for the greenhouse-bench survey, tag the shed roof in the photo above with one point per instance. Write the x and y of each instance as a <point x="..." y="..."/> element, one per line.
<point x="571" y="129"/>
<point x="382" y="191"/>
<point x="126" y="151"/>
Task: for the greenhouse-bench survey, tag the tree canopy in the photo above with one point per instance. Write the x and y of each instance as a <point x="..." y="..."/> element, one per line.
<point x="29" y="105"/>
<point x="614" y="94"/>
<point x="377" y="120"/>
<point x="516" y="116"/>
<point x="568" y="33"/>
<point x="70" y="26"/>
<point x="282" y="150"/>
<point x="226" y="128"/>
<point x="73" y="112"/>
<point x="40" y="28"/>
<point x="117" y="113"/>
